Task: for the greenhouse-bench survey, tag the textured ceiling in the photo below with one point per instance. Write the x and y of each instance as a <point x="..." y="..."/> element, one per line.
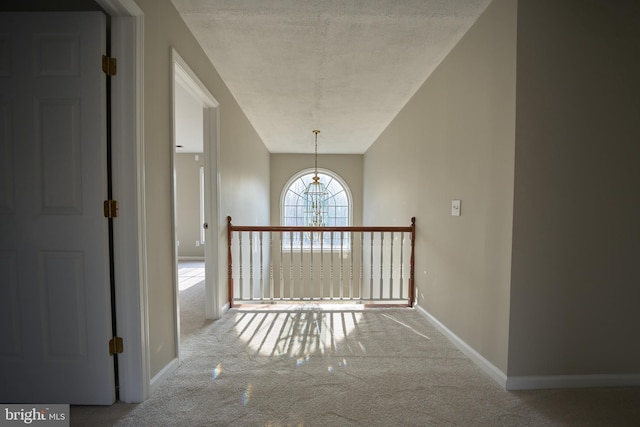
<point x="344" y="67"/>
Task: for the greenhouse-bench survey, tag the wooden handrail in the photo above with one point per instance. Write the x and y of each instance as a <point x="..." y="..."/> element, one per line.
<point x="280" y="228"/>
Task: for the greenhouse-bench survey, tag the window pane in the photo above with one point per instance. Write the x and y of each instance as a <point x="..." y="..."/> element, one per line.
<point x="294" y="208"/>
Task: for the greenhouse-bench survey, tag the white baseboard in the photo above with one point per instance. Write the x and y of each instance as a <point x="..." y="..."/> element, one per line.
<point x="572" y="381"/>
<point x="225" y="308"/>
<point x="496" y="374"/>
<point x="163" y="374"/>
<point x="532" y="382"/>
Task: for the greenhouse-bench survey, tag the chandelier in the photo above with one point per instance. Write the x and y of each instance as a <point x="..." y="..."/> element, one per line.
<point x="315" y="197"/>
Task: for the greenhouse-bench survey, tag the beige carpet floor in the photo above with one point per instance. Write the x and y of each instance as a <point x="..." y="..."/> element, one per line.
<point x="310" y="367"/>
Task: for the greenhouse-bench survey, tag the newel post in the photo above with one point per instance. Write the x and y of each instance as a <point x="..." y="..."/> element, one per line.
<point x="229" y="261"/>
<point x="412" y="263"/>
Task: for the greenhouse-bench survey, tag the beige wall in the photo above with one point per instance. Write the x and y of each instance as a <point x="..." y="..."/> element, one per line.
<point x="576" y="237"/>
<point x="455" y="140"/>
<point x="188" y="224"/>
<point x="348" y="167"/>
<point x="244" y="163"/>
<point x="568" y="305"/>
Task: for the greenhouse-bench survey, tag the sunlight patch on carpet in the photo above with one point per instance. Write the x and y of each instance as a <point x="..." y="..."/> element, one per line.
<point x="299" y="335"/>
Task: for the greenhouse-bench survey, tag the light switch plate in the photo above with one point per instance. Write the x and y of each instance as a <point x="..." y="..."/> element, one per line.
<point x="455" y="208"/>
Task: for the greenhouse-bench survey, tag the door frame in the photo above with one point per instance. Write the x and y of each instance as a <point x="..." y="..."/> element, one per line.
<point x="127" y="45"/>
<point x="180" y="70"/>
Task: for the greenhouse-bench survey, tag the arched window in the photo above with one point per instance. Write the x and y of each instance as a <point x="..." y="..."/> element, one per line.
<point x="292" y="204"/>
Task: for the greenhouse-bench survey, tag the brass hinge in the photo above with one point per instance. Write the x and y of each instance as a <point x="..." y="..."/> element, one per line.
<point x="115" y="346"/>
<point x="109" y="65"/>
<point x="111" y="208"/>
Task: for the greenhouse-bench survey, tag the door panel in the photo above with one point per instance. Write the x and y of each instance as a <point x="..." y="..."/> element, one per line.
<point x="63" y="305"/>
<point x="7" y="201"/>
<point x="9" y="306"/>
<point x="59" y="168"/>
<point x="54" y="276"/>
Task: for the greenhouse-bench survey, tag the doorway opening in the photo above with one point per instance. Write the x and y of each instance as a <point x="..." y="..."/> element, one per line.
<point x="189" y="217"/>
<point x="195" y="201"/>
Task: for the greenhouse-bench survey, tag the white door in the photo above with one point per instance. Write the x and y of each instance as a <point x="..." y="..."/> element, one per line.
<point x="55" y="313"/>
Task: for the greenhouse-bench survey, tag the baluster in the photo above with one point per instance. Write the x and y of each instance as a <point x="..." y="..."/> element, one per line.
<point x="322" y="266"/>
<point x="391" y="270"/>
<point x="281" y="267"/>
<point x="331" y="269"/>
<point x="361" y="281"/>
<point x="271" y="279"/>
<point x="301" y="266"/>
<point x="261" y="269"/>
<point x="351" y="265"/>
<point x="371" y="266"/>
<point x="291" y="265"/>
<point x="311" y="267"/>
<point x="401" y="264"/>
<point x="341" y="264"/>
<point x="241" y="266"/>
<point x="381" y="263"/>
<point x="251" y="291"/>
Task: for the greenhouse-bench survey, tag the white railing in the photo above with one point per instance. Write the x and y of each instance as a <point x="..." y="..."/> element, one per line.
<point x="363" y="265"/>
